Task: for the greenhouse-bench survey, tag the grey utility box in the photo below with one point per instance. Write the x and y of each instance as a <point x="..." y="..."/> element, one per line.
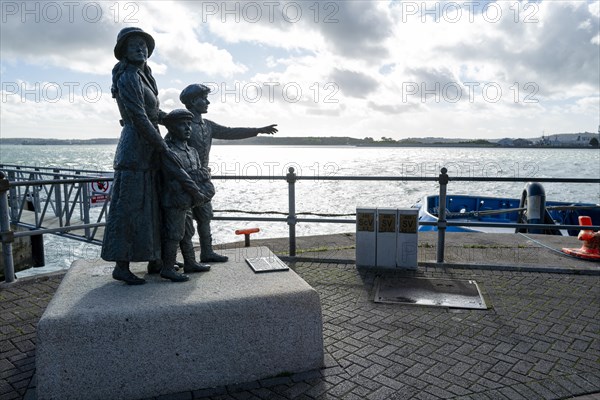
<point x="407" y="239"/>
<point x="387" y="230"/>
<point x="387" y="237"/>
<point x="366" y="237"/>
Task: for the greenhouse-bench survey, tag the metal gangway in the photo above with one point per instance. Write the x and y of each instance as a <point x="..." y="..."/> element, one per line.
<point x="69" y="202"/>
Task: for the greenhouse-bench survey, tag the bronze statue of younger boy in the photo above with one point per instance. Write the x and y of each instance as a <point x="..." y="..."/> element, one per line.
<point x="176" y="202"/>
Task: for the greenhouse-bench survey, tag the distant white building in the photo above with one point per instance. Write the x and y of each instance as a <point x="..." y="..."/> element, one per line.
<point x="568" y="139"/>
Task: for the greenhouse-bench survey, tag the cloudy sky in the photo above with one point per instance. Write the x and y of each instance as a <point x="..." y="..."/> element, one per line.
<point x="465" y="69"/>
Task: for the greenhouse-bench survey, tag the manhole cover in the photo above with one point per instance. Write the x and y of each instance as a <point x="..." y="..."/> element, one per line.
<point x="430" y="292"/>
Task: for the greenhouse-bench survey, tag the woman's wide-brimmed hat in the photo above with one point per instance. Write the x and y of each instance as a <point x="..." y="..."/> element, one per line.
<point x="127" y="33"/>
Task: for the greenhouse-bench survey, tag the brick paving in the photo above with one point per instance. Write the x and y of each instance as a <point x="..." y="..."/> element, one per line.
<point x="540" y="340"/>
<point x="21" y="305"/>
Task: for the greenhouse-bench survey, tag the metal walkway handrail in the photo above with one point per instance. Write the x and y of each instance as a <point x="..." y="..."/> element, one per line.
<point x="67" y="188"/>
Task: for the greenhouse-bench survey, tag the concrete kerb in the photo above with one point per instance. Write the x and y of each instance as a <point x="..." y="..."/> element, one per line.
<point x="26" y="280"/>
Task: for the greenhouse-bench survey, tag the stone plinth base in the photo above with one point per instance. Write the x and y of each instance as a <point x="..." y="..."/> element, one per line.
<point x="102" y="339"/>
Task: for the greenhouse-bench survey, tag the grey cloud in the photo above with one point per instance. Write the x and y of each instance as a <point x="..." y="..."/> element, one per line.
<point x="565" y="53"/>
<point x="43" y="36"/>
<point x="354" y="84"/>
<point x="560" y="56"/>
<point x="430" y="83"/>
<point x="360" y="30"/>
<point x="354" y="29"/>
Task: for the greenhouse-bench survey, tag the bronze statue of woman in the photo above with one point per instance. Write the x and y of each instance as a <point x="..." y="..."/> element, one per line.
<point x="132" y="230"/>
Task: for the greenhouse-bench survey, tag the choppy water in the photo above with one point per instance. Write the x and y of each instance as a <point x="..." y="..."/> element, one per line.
<point x="325" y="196"/>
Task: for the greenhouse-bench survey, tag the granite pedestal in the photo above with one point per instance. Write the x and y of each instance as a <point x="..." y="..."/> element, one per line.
<point x="102" y="339"/>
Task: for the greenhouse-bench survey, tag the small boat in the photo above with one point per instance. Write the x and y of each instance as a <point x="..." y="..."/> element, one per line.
<point x="488" y="209"/>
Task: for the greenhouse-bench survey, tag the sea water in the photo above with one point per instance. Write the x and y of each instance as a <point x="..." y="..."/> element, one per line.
<point x="324" y="196"/>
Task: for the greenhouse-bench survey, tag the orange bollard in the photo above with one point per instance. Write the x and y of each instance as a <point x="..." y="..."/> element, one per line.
<point x="246" y="233"/>
<point x="591" y="242"/>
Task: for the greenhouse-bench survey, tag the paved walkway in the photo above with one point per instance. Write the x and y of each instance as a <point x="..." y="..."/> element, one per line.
<point x="539" y="340"/>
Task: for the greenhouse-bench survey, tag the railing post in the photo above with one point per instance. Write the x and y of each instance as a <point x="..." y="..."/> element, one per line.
<point x="85" y="200"/>
<point x="7" y="234"/>
<point x="441" y="225"/>
<point x="58" y="198"/>
<point x="13" y="198"/>
<point x="291" y="219"/>
<point x="37" y="205"/>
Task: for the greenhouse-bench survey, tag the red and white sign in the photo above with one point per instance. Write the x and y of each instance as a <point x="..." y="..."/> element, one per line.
<point x="99" y="192"/>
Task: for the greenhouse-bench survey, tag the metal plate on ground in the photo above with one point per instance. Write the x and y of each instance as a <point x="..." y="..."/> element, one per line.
<point x="266" y="264"/>
<point x="450" y="293"/>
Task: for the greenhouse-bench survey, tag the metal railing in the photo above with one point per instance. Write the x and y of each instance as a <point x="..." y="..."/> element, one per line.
<point x="58" y="194"/>
<point x="68" y="189"/>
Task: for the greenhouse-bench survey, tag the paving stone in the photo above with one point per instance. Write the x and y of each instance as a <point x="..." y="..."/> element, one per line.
<point x="417" y="370"/>
<point x="383" y="393"/>
<point x="589" y="384"/>
<point x="10" y="396"/>
<point x="555" y="387"/>
<point x="389" y="382"/>
<point x="523" y="367"/>
<point x="341" y="389"/>
<point x="542" y="390"/>
<point x="6" y="365"/>
<point x="526" y="392"/>
<point x="512" y="394"/>
<point x="373" y="371"/>
<point x="458" y="390"/>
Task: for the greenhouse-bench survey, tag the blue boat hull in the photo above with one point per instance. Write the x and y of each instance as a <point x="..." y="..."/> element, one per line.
<point x="467" y="208"/>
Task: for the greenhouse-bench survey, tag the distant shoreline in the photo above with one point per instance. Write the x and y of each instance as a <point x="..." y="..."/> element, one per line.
<point x="338" y="141"/>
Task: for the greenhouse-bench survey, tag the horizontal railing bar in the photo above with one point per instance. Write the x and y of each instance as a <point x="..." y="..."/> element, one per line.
<point x="515" y="225"/>
<point x="327" y="220"/>
<point x="327" y="178"/>
<point x="408" y="178"/>
<point x="530" y="179"/>
<point x="511" y="225"/>
<point x="265" y="219"/>
<point x="59" y="181"/>
<point x="52" y="174"/>
<point x="37" y="231"/>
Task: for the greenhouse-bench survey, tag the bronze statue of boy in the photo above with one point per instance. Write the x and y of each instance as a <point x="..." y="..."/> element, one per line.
<point x="195" y="99"/>
<point x="176" y="202"/>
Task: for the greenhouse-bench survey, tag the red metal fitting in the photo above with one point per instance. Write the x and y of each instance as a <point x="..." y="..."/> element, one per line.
<point x="246" y="233"/>
<point x="591" y="242"/>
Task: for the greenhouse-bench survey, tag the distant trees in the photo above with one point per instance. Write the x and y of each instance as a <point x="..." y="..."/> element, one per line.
<point x="594" y="142"/>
